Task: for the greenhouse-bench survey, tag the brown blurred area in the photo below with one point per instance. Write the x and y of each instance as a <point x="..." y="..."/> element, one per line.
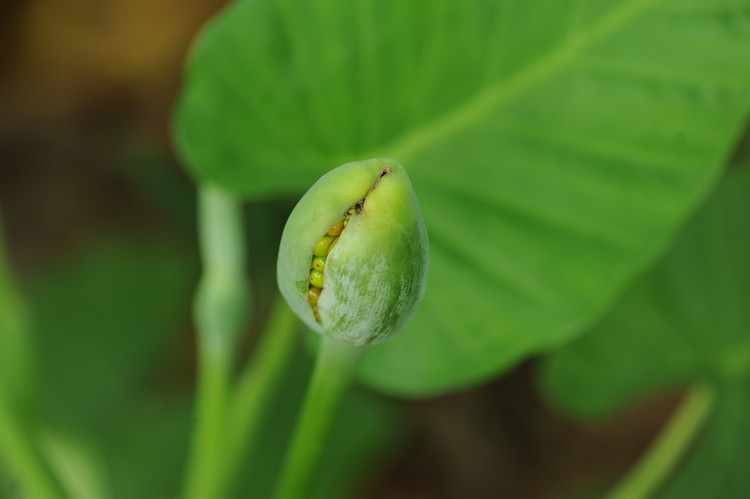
<point x="82" y="81"/>
<point x="67" y="60"/>
<point x="501" y="440"/>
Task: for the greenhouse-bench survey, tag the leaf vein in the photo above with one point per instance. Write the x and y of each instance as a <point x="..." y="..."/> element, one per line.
<point x="496" y="95"/>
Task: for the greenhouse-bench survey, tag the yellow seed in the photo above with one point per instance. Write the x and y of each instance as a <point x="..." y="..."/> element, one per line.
<point x="313" y="294"/>
<point x="321" y="248"/>
<point x="347" y="217"/>
<point x="316" y="278"/>
<point x="330" y="248"/>
<point x="319" y="263"/>
<point x="336" y="229"/>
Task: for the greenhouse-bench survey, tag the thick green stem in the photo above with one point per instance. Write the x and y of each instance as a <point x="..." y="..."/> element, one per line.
<point x="17" y="444"/>
<point x="669" y="448"/>
<point x="334" y="372"/>
<point x="221" y="305"/>
<point x="261" y="378"/>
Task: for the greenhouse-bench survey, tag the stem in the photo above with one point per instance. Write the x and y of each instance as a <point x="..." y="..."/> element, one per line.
<point x="15" y="349"/>
<point x="665" y="453"/>
<point x="17" y="444"/>
<point x="335" y="367"/>
<point x="257" y="384"/>
<point x="222" y="300"/>
<point x="20" y="452"/>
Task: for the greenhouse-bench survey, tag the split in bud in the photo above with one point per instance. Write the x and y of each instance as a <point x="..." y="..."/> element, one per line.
<point x="354" y="253"/>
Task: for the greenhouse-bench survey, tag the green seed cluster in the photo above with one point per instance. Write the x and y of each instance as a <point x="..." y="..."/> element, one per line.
<point x="318" y="264"/>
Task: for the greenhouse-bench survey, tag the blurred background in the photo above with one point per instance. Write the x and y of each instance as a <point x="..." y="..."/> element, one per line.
<point x="94" y="203"/>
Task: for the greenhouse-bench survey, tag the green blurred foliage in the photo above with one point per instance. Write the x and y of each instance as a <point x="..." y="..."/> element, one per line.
<point x="101" y="320"/>
<point x="116" y="410"/>
<point x="685" y="322"/>
<point x="160" y="183"/>
<point x="8" y="484"/>
<point x="555" y="147"/>
<point x="15" y="372"/>
<point x="104" y="324"/>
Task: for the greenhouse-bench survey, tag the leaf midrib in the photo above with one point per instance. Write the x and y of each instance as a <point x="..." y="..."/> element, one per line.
<point x="432" y="132"/>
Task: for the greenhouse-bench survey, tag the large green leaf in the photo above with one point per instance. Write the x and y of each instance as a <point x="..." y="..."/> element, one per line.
<point x="555" y="146"/>
<point x="686" y="322"/>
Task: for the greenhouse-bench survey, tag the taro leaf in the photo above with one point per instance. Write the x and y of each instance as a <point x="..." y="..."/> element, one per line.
<point x="104" y="323"/>
<point x="687" y="321"/>
<point x="555" y="146"/>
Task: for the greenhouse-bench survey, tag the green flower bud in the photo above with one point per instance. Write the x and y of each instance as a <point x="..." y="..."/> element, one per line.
<point x="365" y="217"/>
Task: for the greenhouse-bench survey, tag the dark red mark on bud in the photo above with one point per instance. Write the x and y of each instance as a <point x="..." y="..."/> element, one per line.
<point x="361" y="203"/>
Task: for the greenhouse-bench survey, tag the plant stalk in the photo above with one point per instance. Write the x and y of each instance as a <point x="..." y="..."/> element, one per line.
<point x="258" y="383"/>
<point x="221" y="305"/>
<point x="19" y="450"/>
<point x="17" y="444"/>
<point x="670" y="446"/>
<point x="335" y="367"/>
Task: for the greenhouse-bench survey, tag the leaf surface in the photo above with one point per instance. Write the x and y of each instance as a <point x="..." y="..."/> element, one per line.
<point x="555" y="147"/>
<point x="686" y="322"/>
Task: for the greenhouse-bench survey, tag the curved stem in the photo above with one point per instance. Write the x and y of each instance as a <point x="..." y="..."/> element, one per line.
<point x="221" y="305"/>
<point x="661" y="459"/>
<point x="17" y="445"/>
<point x="258" y="383"/>
<point x="15" y="342"/>
<point x="21" y="454"/>
<point x="334" y="372"/>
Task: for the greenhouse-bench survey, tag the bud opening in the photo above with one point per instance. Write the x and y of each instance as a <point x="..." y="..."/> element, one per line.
<point x="326" y="245"/>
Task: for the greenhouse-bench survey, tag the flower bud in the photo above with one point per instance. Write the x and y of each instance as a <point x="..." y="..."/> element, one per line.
<point x="361" y="223"/>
